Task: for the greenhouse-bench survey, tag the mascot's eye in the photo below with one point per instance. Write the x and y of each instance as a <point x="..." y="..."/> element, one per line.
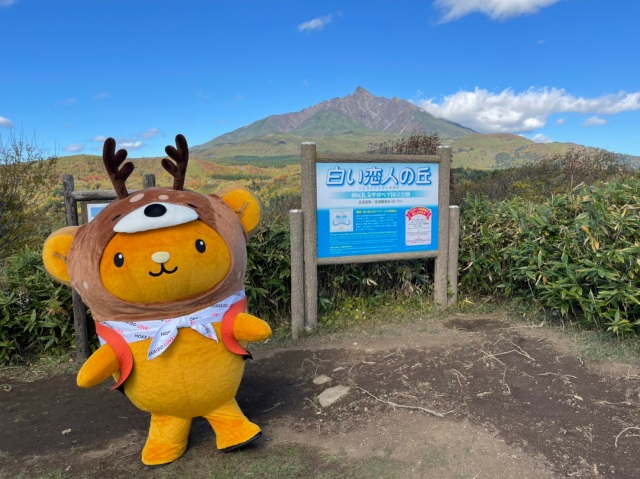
<point x="118" y="260"/>
<point x="200" y="246"/>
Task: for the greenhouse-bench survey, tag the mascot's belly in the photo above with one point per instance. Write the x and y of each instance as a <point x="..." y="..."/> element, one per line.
<point x="193" y="377"/>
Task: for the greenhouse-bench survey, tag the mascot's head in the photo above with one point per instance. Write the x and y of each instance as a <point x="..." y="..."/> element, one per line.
<point x="159" y="252"/>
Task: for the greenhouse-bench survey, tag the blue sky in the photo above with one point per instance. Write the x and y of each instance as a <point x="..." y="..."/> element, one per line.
<point x="77" y="71"/>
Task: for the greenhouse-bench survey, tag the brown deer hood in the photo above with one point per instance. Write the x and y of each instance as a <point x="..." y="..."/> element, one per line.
<point x="91" y="239"/>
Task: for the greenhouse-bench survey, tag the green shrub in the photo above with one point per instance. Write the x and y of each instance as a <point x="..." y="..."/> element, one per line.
<point x="279" y="201"/>
<point x="268" y="282"/>
<point x="575" y="253"/>
<point x="35" y="312"/>
<point x="268" y="279"/>
<point x="26" y="176"/>
<point x="374" y="282"/>
<point x="539" y="180"/>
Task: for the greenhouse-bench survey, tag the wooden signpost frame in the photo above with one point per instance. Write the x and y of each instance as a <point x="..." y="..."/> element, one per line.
<point x="71" y="199"/>
<point x="304" y="242"/>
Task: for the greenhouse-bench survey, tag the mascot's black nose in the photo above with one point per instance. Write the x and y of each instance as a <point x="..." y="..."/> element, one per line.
<point x="154" y="210"/>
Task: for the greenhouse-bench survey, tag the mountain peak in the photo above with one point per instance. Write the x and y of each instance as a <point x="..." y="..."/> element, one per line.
<point x="361" y="92"/>
<point x="360" y="110"/>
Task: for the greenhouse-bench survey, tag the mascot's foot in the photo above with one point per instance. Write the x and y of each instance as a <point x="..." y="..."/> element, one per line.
<point x="167" y="440"/>
<point x="233" y="430"/>
<point x="240" y="446"/>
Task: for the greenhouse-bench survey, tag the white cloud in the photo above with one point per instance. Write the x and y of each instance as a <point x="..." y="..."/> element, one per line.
<point x="74" y="148"/>
<point x="100" y="96"/>
<point x="131" y="144"/>
<point x="203" y="95"/>
<point x="315" y="24"/>
<point x="561" y="121"/>
<point x="510" y="112"/>
<point x="7" y="3"/>
<point x="5" y="122"/>
<point x="67" y="101"/>
<point x="540" y="138"/>
<point x="495" y="9"/>
<point x="150" y="133"/>
<point x="594" y="121"/>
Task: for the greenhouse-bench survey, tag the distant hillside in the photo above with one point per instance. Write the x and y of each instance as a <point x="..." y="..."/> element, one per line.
<point x="502" y="150"/>
<point x="351" y="124"/>
<point x="360" y="117"/>
<point x="205" y="176"/>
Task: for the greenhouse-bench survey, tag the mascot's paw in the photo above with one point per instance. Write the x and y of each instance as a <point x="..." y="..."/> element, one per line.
<point x="246" y="443"/>
<point x="157" y="454"/>
<point x="236" y="434"/>
<point x="232" y="428"/>
<point x="167" y="440"/>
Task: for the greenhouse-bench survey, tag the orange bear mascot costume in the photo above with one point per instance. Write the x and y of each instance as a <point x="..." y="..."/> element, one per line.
<point x="162" y="270"/>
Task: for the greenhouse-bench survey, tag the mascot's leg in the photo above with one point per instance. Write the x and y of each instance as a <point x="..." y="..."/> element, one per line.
<point x="232" y="428"/>
<point x="167" y="441"/>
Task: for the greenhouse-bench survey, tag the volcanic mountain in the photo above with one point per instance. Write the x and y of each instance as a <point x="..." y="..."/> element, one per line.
<point x="349" y="123"/>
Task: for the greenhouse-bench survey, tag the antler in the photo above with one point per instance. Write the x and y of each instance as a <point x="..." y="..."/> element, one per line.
<point x="181" y="157"/>
<point x="112" y="161"/>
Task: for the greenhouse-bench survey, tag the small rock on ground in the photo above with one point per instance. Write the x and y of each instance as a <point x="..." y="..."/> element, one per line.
<point x="320" y="380"/>
<point x="331" y="395"/>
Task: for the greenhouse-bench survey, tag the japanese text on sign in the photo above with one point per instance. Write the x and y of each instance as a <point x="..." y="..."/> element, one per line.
<point x="376" y="208"/>
<point x="376" y="176"/>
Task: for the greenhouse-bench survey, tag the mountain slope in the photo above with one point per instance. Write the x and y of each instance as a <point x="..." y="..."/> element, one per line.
<point x="354" y="124"/>
<point x="329" y="123"/>
<point x="359" y="113"/>
<point x="502" y="150"/>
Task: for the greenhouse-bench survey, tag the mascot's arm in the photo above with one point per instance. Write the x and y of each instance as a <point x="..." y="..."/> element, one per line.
<point x="100" y="366"/>
<point x="249" y="328"/>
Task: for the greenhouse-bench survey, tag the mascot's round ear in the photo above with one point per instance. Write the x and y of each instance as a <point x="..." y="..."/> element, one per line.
<point x="55" y="251"/>
<point x="245" y="204"/>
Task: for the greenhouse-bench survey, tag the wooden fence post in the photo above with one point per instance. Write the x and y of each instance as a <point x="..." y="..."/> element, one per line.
<point x="148" y="180"/>
<point x="442" y="260"/>
<point x="79" y="308"/>
<point x="71" y="198"/>
<point x="309" y="205"/>
<point x="296" y="229"/>
<point x="454" y="246"/>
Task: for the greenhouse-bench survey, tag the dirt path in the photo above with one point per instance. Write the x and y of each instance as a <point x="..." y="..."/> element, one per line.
<point x="516" y="401"/>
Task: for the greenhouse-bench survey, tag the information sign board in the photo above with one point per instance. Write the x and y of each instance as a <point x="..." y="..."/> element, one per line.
<point x="93" y="209"/>
<point x="376" y="208"/>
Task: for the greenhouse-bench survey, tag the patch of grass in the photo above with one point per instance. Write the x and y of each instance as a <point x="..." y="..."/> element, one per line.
<point x="595" y="345"/>
<point x="333" y="459"/>
<point x="600" y="347"/>
<point x="375" y="468"/>
<point x="436" y="458"/>
<point x="286" y="461"/>
<point x="54" y="475"/>
<point x="48" y="365"/>
<point x="365" y="315"/>
<point x="39" y="473"/>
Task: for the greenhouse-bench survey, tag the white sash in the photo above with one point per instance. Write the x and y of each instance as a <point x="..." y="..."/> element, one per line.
<point x="163" y="332"/>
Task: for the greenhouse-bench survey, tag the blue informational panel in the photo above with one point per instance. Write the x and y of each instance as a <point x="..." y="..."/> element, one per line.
<point x="376" y="208"/>
<point x="93" y="209"/>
